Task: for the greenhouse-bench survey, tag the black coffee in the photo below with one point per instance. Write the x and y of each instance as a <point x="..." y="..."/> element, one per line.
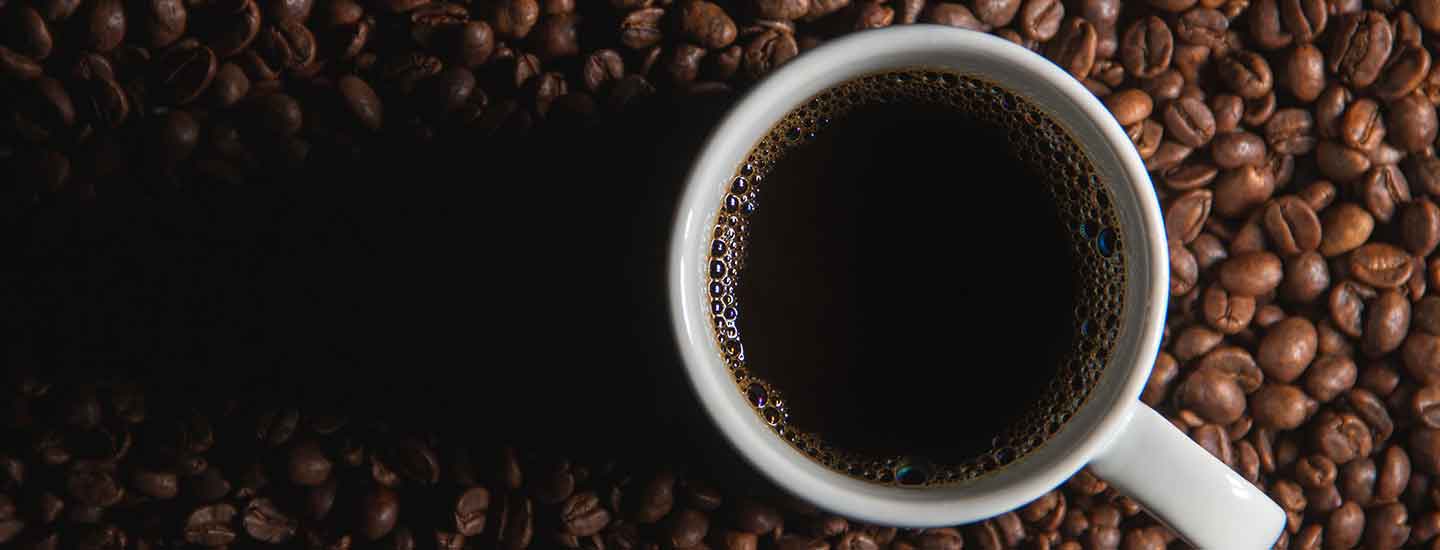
<point x="925" y="288"/>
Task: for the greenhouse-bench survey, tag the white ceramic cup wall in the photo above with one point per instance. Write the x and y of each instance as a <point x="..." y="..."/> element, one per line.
<point x="1123" y="441"/>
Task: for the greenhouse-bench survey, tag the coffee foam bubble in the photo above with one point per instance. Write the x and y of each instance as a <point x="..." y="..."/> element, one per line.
<point x="1084" y="205"/>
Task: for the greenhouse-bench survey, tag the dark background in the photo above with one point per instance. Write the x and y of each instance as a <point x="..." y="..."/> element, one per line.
<point x="507" y="287"/>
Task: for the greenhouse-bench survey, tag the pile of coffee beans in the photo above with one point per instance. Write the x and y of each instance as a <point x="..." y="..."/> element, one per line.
<point x="1291" y="143"/>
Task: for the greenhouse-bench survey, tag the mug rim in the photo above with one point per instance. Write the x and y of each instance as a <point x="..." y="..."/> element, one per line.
<point x="695" y="337"/>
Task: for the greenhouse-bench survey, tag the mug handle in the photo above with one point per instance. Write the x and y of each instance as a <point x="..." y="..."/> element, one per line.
<point x="1186" y="487"/>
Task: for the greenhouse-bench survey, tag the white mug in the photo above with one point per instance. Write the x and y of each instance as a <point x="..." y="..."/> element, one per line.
<point x="1122" y="440"/>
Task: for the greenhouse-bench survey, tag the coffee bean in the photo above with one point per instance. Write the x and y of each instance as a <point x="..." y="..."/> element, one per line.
<point x="185" y="71"/>
<point x="1237" y="149"/>
<point x="683" y="63"/>
<point x="379" y="509"/>
<point x="266" y="523"/>
<point x="231" y="34"/>
<point x="1304" y="72"/>
<point x="1292" y="226"/>
<point x="1386" y="527"/>
<point x="360" y="102"/>
<point x="156" y="484"/>
<point x="768" y="51"/>
<point x="707" y="24"/>
<point x="1189" y="121"/>
<point x="1040" y="19"/>
<point x="1387" y="320"/>
<point x="1340" y="162"/>
<point x="1212" y="394"/>
<point x="1380" y="265"/>
<point x="1266" y="29"/>
<point x="1146" y="48"/>
<point x="161" y="22"/>
<point x="1281" y="406"/>
<point x="1357" y="481"/>
<point x="287" y="45"/>
<point x="959" y="16"/>
<point x="308" y="465"/>
<point x="1287" y="349"/>
<point x="1362" y="126"/>
<point x="998" y="13"/>
<point x="1162" y="374"/>
<point x="1239" y="190"/>
<point x="1341" y="437"/>
<point x="321" y="500"/>
<point x="1394" y="475"/>
<point x="1247" y="74"/>
<point x="1185" y="217"/>
<point x="1251" y="274"/>
<point x="1259" y="110"/>
<point x="279" y="114"/>
<point x="1227" y="313"/>
<point x="211" y="526"/>
<point x="513" y="19"/>
<point x="640" y="29"/>
<point x="1360" y="46"/>
<point x="1073" y="48"/>
<point x="1329" y="376"/>
<point x="1129" y="106"/>
<point x="1305" y="19"/>
<point x="1203" y="27"/>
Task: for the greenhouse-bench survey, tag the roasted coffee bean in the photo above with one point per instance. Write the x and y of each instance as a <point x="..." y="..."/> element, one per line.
<point x="1386" y="527"/>
<point x="1341" y="437"/>
<point x="1129" y="106"/>
<point x="185" y="71"/>
<point x="1387" y="320"/>
<point x="1212" y="394"/>
<point x="1237" y="149"/>
<point x="1225" y="312"/>
<point x="1304" y="19"/>
<point x="1266" y="29"/>
<point x="1380" y="265"/>
<point x="1040" y="19"/>
<point x="230" y="35"/>
<point x="1189" y="121"/>
<point x="1259" y="110"/>
<point x="639" y="30"/>
<point x="768" y="51"/>
<point x="1146" y="48"/>
<point x="1360" y="46"/>
<point x="287" y="45"/>
<point x="1340" y="162"/>
<point x="378" y="511"/>
<point x="1247" y="74"/>
<point x="1185" y="218"/>
<point x="266" y="523"/>
<point x="1329" y="376"/>
<point x="1203" y="27"/>
<point x="1239" y="190"/>
<point x="161" y="22"/>
<point x="1281" y="406"/>
<point x="1412" y="122"/>
<point x="513" y="19"/>
<point x="211" y="526"/>
<point x="1292" y="226"/>
<point x="360" y="102"/>
<point x="1403" y="73"/>
<point x="959" y="16"/>
<point x="706" y="24"/>
<point x="1287" y="349"/>
<point x="1073" y="49"/>
<point x="155" y="484"/>
<point x="308" y="465"/>
<point x="1304" y="72"/>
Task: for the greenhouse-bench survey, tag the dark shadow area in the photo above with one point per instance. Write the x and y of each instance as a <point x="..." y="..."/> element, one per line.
<point x="508" y="288"/>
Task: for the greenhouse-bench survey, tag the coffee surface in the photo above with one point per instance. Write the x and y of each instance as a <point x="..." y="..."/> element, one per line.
<point x="909" y="277"/>
<point x="915" y="277"/>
